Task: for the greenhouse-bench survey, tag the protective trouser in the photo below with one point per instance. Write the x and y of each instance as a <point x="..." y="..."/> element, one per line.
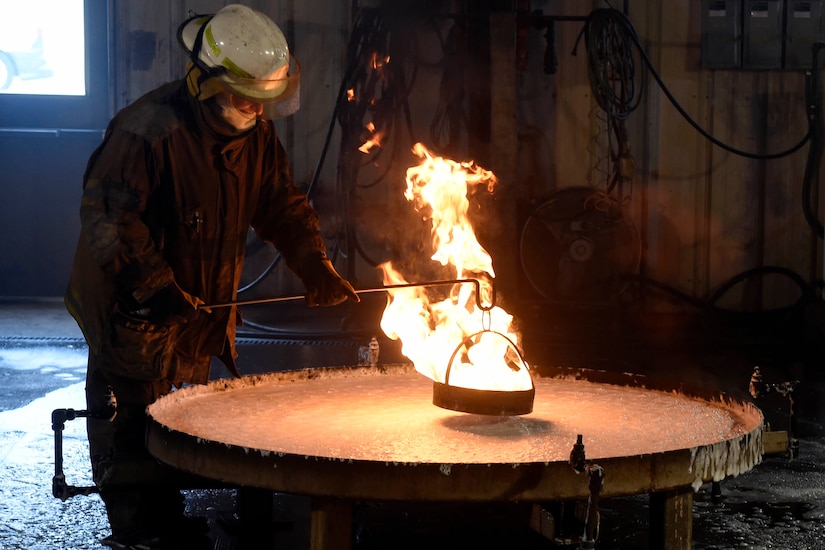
<point x="140" y="493"/>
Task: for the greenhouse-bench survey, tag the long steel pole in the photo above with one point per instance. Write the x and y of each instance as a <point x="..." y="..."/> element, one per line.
<point x="273" y="299"/>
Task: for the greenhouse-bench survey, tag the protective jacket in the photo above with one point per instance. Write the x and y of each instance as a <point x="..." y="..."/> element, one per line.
<point x="167" y="198"/>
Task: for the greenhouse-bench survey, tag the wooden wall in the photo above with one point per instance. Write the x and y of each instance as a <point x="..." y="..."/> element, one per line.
<point x="704" y="215"/>
<point x="725" y="213"/>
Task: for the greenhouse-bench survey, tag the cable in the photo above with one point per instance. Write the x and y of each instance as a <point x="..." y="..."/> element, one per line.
<point x="364" y="21"/>
<point x="262" y="275"/>
<point x="807" y="291"/>
<point x="611" y="67"/>
<point x="450" y="117"/>
<point x="607" y="31"/>
<point x="813" y="96"/>
<point x="377" y="99"/>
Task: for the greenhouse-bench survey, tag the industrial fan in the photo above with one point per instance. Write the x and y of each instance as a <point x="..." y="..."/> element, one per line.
<point x="578" y="245"/>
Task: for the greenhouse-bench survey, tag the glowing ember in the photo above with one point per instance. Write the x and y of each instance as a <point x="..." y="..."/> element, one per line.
<point x="477" y="343"/>
<point x="374" y="141"/>
<point x="378" y="62"/>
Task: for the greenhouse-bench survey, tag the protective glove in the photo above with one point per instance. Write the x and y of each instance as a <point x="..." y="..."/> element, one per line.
<point x="171" y="305"/>
<point x="324" y="286"/>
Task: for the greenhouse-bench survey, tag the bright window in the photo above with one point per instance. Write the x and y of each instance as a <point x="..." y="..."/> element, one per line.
<point x="42" y="47"/>
<point x="54" y="64"/>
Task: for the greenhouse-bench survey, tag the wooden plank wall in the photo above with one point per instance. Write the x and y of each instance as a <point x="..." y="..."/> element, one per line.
<point x="730" y="213"/>
<point x="704" y="215"/>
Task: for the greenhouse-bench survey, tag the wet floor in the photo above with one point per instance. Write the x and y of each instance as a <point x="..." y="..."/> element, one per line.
<point x="779" y="504"/>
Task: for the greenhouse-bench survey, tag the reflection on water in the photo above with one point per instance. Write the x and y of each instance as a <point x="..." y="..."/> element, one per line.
<point x="498" y="427"/>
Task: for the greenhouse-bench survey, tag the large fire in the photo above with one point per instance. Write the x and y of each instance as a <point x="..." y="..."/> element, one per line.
<point x="464" y="332"/>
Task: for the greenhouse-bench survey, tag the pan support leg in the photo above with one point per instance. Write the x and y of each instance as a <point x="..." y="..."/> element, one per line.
<point x="671" y="519"/>
<point x="255" y="512"/>
<point x="331" y="524"/>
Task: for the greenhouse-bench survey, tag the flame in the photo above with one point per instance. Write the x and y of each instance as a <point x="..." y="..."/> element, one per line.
<point x="378" y="62"/>
<point x="350" y="95"/>
<point x="373" y="141"/>
<point x="464" y="332"/>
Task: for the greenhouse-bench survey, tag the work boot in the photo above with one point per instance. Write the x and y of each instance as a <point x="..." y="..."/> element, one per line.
<point x="187" y="533"/>
<point x="167" y="541"/>
<point x="152" y="519"/>
<point x="122" y="544"/>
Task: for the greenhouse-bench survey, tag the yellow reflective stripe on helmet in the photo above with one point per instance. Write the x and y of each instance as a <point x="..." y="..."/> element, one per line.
<point x="226" y="62"/>
<point x="210" y="41"/>
<point x="234" y="69"/>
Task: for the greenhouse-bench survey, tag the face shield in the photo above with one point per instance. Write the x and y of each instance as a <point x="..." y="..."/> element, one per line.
<point x="279" y="94"/>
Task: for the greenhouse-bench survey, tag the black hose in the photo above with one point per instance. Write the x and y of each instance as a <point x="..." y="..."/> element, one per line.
<point x="364" y="19"/>
<point x="611" y="67"/>
<point x="813" y="97"/>
<point x="807" y="293"/>
<point x="608" y="22"/>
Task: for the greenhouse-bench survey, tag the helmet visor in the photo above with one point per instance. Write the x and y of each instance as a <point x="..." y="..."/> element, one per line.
<point x="277" y="89"/>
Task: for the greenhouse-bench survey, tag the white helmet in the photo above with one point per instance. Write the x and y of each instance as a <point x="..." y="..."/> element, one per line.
<point x="245" y="51"/>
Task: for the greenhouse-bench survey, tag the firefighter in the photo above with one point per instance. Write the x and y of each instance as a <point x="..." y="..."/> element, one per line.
<point x="168" y="199"/>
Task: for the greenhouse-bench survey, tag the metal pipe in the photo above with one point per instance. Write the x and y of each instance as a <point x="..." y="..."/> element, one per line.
<point x="595" y="473"/>
<point x="56" y="132"/>
<point x="60" y="488"/>
<point x="476" y="282"/>
<point x="759" y="388"/>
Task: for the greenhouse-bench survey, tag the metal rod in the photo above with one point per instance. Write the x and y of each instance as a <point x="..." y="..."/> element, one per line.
<point x="476" y="282"/>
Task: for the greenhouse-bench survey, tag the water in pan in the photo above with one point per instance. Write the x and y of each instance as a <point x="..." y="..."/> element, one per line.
<point x="391" y="418"/>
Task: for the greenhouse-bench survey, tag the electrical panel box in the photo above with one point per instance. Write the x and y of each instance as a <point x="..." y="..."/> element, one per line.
<point x="721" y="34"/>
<point x="803" y="28"/>
<point x="762" y="34"/>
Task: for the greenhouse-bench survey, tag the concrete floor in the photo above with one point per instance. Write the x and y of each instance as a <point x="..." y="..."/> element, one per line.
<point x="779" y="504"/>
